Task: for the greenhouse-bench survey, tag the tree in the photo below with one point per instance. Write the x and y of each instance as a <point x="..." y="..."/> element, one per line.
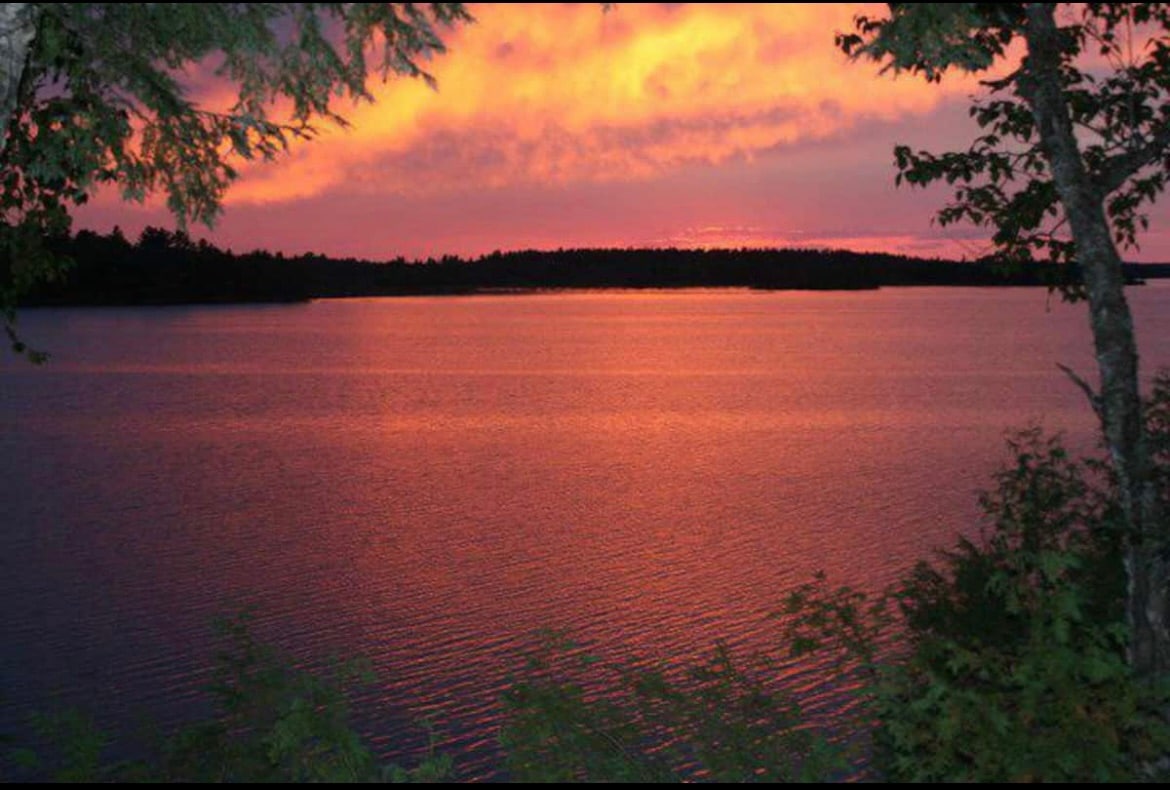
<point x="1075" y="143"/>
<point x="92" y="94"/>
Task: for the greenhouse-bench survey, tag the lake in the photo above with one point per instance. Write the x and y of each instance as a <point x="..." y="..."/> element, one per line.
<point x="427" y="482"/>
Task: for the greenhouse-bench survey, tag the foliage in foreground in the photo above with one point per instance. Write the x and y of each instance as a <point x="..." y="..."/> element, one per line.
<point x="273" y="722"/>
<point x="573" y="719"/>
<point x="1017" y="669"/>
<point x="1014" y="665"/>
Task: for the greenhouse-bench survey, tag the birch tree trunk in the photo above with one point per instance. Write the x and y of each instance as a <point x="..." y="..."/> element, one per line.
<point x="1114" y="342"/>
<point x="18" y="26"/>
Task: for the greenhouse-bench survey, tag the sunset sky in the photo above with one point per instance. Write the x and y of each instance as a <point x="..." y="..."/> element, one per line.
<point x="559" y="125"/>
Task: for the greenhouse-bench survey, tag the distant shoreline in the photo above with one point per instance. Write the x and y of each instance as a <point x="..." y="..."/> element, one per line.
<point x="165" y="268"/>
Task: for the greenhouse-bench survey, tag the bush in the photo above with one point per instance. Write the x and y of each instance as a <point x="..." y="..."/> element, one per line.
<point x="273" y="722"/>
<point x="1012" y="662"/>
<point x="573" y="719"/>
<point x="1016" y="669"/>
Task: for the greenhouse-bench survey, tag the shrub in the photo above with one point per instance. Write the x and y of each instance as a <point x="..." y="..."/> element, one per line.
<point x="1016" y="666"/>
<point x="1008" y="659"/>
<point x="273" y="722"/>
<point x="574" y="719"/>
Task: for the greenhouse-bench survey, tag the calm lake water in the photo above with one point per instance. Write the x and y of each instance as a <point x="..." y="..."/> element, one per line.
<point x="428" y="481"/>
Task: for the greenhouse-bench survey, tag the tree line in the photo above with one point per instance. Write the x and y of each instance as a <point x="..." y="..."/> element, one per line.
<point x="169" y="267"/>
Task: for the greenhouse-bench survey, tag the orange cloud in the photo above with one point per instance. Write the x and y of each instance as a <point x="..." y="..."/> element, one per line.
<point x="557" y="93"/>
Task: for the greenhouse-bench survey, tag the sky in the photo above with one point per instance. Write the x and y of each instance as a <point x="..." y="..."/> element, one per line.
<point x="667" y="124"/>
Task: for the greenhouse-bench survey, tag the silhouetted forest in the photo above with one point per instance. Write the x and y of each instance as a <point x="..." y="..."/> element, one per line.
<point x="168" y="267"/>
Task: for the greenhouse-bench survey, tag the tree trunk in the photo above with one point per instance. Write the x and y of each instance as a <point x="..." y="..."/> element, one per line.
<point x="18" y="27"/>
<point x="1113" y="336"/>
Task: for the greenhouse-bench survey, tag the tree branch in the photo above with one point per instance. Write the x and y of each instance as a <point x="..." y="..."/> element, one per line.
<point x="1083" y="386"/>
<point x="1118" y="169"/>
